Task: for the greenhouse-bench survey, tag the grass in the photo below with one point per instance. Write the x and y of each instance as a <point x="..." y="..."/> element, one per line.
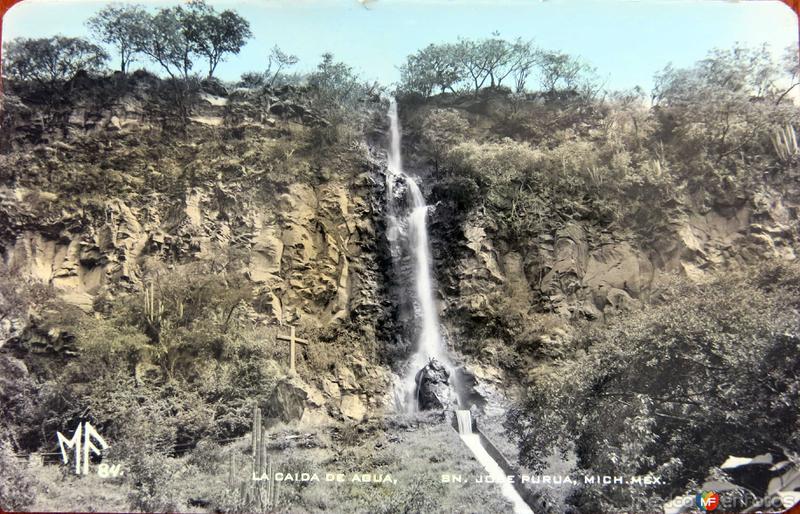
<point x="414" y="452"/>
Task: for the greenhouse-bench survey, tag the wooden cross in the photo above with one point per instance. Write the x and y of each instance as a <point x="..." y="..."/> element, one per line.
<point x="292" y="340"/>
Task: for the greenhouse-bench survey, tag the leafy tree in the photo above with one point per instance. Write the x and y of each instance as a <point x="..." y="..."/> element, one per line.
<point x="336" y="89"/>
<point x="492" y="59"/>
<point x="473" y="61"/>
<point x="212" y="34"/>
<point x="435" y="66"/>
<point x="791" y="66"/>
<point x="52" y="60"/>
<point x="280" y="60"/>
<point x="167" y="42"/>
<point x="675" y="388"/>
<point x="121" y="26"/>
<point x="560" y="71"/>
<point x="499" y="59"/>
<point x="725" y="104"/>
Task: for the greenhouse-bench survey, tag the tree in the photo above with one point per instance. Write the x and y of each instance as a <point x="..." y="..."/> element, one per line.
<point x="721" y="105"/>
<point x="526" y="58"/>
<point x="791" y="66"/>
<point x="491" y="59"/>
<point x="121" y="27"/>
<point x="212" y="34"/>
<point x="51" y="60"/>
<point x="468" y="53"/>
<point x="560" y="71"/>
<point x="334" y="86"/>
<point x="674" y="388"/>
<point x="499" y="59"/>
<point x="280" y="60"/>
<point x="435" y="66"/>
<point x="167" y="42"/>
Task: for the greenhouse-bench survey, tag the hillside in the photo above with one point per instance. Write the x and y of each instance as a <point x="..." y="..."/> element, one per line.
<point x="153" y="252"/>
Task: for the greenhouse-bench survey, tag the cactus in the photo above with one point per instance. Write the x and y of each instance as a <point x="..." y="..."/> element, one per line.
<point x="784" y="141"/>
<point x="256" y="495"/>
<point x="153" y="311"/>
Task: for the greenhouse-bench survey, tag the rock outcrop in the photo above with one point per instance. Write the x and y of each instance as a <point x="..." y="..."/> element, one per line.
<point x="243" y="192"/>
<point x="434" y="388"/>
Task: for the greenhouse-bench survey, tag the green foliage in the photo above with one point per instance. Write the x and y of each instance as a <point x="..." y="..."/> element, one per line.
<point x="716" y="113"/>
<point x="336" y="90"/>
<point x="215" y="34"/>
<point x="121" y="26"/>
<point x="441" y="130"/>
<point x="560" y="71"/>
<point x="153" y="478"/>
<point x="188" y="315"/>
<point x="473" y="65"/>
<point x="435" y="66"/>
<point x="661" y="390"/>
<point x="16" y="484"/>
<point x="167" y="41"/>
<point x="51" y="61"/>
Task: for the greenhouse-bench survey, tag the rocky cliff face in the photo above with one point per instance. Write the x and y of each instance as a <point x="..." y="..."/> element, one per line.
<point x="509" y="305"/>
<point x="97" y="196"/>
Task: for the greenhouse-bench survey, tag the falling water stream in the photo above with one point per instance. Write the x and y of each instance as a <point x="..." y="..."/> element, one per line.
<point x="429" y="342"/>
<point x="409" y="226"/>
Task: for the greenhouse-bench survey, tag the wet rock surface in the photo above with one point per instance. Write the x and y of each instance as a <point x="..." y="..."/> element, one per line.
<point x="434" y="388"/>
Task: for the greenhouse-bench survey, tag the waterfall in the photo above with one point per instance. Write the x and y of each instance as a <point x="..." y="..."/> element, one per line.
<point x="407" y="232"/>
<point x="473" y="442"/>
<point x="411" y="228"/>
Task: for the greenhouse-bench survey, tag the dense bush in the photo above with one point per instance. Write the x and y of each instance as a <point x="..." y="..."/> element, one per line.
<point x="51" y="61"/>
<point x="675" y="388"/>
<point x="153" y="478"/>
<point x="16" y="484"/>
<point x="715" y="116"/>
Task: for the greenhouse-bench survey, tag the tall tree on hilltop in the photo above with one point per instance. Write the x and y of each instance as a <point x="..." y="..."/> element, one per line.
<point x="51" y="60"/>
<point x="215" y="34"/>
<point x="122" y="27"/>
<point x="167" y="43"/>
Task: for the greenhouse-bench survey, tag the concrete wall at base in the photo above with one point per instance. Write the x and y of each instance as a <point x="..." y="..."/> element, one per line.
<point x="534" y="501"/>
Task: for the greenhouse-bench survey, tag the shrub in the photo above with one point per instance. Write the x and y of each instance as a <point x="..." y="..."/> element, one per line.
<point x="16" y="484"/>
<point x="441" y="130"/>
<point x="153" y="477"/>
<point x="674" y="388"/>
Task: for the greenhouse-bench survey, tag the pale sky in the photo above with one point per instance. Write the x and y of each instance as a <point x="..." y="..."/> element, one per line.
<point x="626" y="40"/>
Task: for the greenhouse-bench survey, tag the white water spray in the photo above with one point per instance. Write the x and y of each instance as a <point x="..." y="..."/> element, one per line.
<point x="429" y="342"/>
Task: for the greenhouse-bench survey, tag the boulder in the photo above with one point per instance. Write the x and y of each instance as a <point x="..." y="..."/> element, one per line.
<point x="291" y="400"/>
<point x="434" y="390"/>
<point x="353" y="407"/>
